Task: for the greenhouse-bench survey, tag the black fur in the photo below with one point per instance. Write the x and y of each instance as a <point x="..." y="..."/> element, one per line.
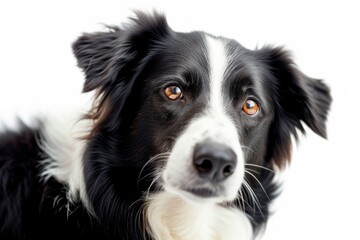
<point x="29" y="207"/>
<point x="129" y="68"/>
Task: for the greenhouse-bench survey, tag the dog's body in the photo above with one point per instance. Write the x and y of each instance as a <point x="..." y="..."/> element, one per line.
<point x="182" y="141"/>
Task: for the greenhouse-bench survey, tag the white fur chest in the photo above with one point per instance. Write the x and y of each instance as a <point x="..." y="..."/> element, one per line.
<point x="172" y="218"/>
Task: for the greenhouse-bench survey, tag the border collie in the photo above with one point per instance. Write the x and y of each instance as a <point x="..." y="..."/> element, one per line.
<point x="183" y="139"/>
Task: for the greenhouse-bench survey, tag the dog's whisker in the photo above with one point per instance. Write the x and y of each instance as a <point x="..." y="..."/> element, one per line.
<point x="259" y="166"/>
<point x="244" y="191"/>
<point x="151" y="184"/>
<point x="241" y="195"/>
<point x="250" y="194"/>
<point x="254" y="197"/>
<point x="252" y="170"/>
<point x="257" y="180"/>
<point x="147" y="175"/>
<point x="242" y="200"/>
<point x="158" y="157"/>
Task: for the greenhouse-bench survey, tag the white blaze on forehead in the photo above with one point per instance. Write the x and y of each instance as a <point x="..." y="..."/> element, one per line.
<point x="218" y="62"/>
<point x="212" y="124"/>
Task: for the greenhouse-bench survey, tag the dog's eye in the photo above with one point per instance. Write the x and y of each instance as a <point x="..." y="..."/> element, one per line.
<point x="173" y="92"/>
<point x="250" y="107"/>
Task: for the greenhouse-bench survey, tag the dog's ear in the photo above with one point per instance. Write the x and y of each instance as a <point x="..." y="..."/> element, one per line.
<point x="297" y="98"/>
<point x="107" y="57"/>
<point x="95" y="54"/>
<point x="113" y="60"/>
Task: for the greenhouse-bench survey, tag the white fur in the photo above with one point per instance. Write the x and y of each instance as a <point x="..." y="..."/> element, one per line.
<point x="218" y="63"/>
<point x="62" y="141"/>
<point x="171" y="217"/>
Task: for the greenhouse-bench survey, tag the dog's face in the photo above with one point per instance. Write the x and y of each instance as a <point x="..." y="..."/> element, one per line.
<point x="199" y="109"/>
<point x="209" y="111"/>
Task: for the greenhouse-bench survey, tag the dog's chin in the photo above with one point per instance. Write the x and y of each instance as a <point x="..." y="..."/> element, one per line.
<point x="201" y="195"/>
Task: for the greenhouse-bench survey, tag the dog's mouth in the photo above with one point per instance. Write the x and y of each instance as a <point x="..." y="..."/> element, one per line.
<point x="203" y="192"/>
<point x="198" y="192"/>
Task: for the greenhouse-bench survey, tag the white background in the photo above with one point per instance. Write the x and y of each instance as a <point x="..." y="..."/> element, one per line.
<point x="320" y="197"/>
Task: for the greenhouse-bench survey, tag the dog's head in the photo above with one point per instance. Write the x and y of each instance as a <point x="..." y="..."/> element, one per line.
<point x="196" y="108"/>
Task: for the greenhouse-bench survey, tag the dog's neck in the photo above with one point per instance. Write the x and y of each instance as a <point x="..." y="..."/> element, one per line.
<point x="171" y="217"/>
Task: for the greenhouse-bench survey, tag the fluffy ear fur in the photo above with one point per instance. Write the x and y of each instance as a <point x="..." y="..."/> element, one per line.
<point x="113" y="60"/>
<point x="95" y="55"/>
<point x="296" y="98"/>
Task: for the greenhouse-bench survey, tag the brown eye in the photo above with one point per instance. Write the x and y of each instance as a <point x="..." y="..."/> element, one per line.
<point x="250" y="107"/>
<point x="173" y="92"/>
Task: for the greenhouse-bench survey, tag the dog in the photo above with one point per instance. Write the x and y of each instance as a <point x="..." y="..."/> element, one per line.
<point x="183" y="138"/>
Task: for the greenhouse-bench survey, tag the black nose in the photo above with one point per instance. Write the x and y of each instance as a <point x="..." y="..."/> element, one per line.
<point x="213" y="161"/>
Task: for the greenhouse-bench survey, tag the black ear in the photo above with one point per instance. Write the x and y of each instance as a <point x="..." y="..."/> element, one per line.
<point x="113" y="60"/>
<point x="297" y="98"/>
<point x="107" y="56"/>
<point x="94" y="53"/>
